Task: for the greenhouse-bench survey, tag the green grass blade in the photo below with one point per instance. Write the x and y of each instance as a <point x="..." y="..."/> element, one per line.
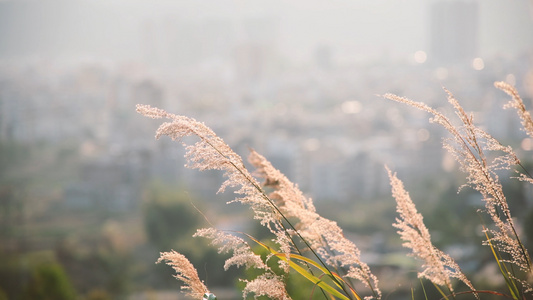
<point x="306" y="274"/>
<point x="326" y="287"/>
<point x="424" y="289"/>
<point x="324" y="270"/>
<point x="440" y="290"/>
<point x="511" y="285"/>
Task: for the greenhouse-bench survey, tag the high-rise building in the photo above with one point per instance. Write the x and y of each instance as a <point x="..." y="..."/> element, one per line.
<point x="454" y="31"/>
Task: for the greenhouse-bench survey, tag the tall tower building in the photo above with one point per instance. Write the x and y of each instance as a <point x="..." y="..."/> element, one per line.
<point x="454" y="31"/>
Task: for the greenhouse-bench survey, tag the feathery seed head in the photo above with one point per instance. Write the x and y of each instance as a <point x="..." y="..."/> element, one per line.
<point x="438" y="267"/>
<point x="185" y="272"/>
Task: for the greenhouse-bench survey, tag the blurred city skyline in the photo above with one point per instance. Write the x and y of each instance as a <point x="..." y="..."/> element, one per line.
<point x="156" y="32"/>
<point x="302" y="73"/>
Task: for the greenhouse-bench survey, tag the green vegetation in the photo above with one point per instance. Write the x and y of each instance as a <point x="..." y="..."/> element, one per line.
<point x="49" y="282"/>
<point x="35" y="275"/>
<point x="168" y="216"/>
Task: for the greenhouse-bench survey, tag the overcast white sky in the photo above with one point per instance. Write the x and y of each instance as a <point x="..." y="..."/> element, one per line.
<point x="371" y="28"/>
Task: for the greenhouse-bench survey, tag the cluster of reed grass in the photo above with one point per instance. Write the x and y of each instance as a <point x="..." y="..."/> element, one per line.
<point x="316" y="249"/>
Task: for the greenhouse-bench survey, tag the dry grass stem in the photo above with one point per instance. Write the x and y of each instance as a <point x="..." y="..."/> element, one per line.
<point x="323" y="235"/>
<point x="212" y="153"/>
<point x="273" y="210"/>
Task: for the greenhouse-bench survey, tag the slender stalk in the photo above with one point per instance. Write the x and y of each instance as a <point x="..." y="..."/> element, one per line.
<point x="424" y="289"/>
<point x="276" y="208"/>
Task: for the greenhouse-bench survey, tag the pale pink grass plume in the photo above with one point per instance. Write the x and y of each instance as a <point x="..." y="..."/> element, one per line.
<point x="438" y="267"/>
<point x="185" y="272"/>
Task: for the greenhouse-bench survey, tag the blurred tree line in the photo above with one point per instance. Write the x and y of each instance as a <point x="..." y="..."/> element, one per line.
<point x="52" y="251"/>
<point x="24" y="274"/>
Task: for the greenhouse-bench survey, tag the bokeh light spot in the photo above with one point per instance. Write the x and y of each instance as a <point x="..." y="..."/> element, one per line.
<point x="420" y="57"/>
<point x="527" y="144"/>
<point x="510" y="79"/>
<point x="351" y="107"/>
<point x="478" y="64"/>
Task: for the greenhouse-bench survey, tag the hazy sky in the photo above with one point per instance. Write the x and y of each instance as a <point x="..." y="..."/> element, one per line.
<point x="354" y="29"/>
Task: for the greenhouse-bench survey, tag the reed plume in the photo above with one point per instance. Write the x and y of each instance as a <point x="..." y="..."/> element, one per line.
<point x="185" y="272"/>
<point x="297" y="228"/>
<point x="322" y="237"/>
<point x="471" y="147"/>
<point x="267" y="284"/>
<point x="517" y="103"/>
<point x="212" y="153"/>
<point x="438" y="267"/>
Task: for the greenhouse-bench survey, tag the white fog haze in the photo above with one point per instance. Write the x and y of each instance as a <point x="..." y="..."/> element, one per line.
<point x="90" y="198"/>
<point x="354" y="30"/>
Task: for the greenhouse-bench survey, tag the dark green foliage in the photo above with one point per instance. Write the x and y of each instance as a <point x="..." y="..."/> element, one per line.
<point x="49" y="282"/>
<point x="13" y="275"/>
<point x="170" y="220"/>
<point x="34" y="275"/>
<point x="97" y="265"/>
<point x="454" y="217"/>
<point x="168" y="217"/>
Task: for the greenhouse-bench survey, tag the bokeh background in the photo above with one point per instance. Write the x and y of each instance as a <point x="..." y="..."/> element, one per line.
<point x="88" y="198"/>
